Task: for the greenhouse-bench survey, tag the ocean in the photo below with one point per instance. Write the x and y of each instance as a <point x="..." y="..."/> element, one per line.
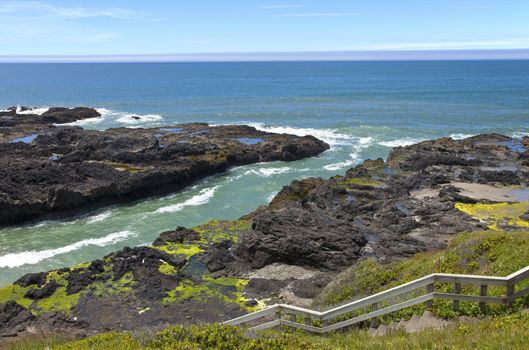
<point x="362" y="109"/>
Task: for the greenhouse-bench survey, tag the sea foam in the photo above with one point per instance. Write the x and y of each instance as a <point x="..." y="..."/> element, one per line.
<point x="267" y="172"/>
<point x="38" y="111"/>
<point x="34" y="257"/>
<point x="202" y="197"/>
<point x="129" y="119"/>
<point x="331" y="136"/>
<point x="400" y="142"/>
<point x="99" y="217"/>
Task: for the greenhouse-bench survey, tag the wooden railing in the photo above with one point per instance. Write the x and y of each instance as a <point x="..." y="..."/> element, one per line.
<point x="419" y="291"/>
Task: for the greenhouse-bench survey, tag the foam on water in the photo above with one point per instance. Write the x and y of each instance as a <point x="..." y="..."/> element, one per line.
<point x="202" y="198"/>
<point x="267" y="172"/>
<point x="38" y="111"/>
<point x="125" y="118"/>
<point x="34" y="257"/>
<point x="99" y="217"/>
<point x="355" y="156"/>
<point x="331" y="136"/>
<point x="460" y="136"/>
<point x="400" y="142"/>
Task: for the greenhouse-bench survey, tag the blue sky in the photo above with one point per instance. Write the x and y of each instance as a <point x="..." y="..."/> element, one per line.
<point x="139" y="27"/>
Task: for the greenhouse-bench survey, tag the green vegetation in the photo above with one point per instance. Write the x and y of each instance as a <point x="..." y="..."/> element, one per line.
<point x="360" y="181"/>
<point x="497" y="214"/>
<point x="166" y="269"/>
<point x="226" y="289"/>
<point x="187" y="249"/>
<point x="502" y="332"/>
<point x="216" y="230"/>
<point x="16" y="293"/>
<point x="495" y="253"/>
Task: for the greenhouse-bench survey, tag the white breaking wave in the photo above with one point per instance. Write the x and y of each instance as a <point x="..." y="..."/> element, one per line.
<point x="34" y="257"/>
<point x="460" y="136"/>
<point x="328" y="135"/>
<point x="38" y="111"/>
<point x="130" y="119"/>
<point x="99" y="217"/>
<point x="202" y="198"/>
<point x="520" y="134"/>
<point x="401" y="142"/>
<point x="340" y="165"/>
<point x="271" y="196"/>
<point x="266" y="172"/>
<point x="363" y="143"/>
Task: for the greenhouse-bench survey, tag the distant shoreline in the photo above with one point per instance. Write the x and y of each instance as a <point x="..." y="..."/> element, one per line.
<point x="338" y="56"/>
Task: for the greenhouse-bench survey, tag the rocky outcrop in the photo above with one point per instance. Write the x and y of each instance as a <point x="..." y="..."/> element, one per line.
<point x="52" y="171"/>
<point x="290" y="250"/>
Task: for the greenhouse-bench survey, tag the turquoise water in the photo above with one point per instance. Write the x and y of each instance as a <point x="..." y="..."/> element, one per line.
<point x="361" y="108"/>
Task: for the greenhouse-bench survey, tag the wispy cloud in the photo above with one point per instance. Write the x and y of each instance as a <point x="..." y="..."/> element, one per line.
<point x="324" y="14"/>
<point x="44" y="10"/>
<point x="284" y="6"/>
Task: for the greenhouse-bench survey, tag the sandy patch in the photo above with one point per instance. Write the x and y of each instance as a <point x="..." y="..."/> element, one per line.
<point x="480" y="191"/>
<point x="283" y="272"/>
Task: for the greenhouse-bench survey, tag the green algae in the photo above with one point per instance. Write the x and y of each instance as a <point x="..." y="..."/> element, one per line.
<point x="227" y="289"/>
<point x="16" y="293"/>
<point x="58" y="301"/>
<point x="497" y="213"/>
<point x="360" y="181"/>
<point x="187" y="249"/>
<point x="216" y="230"/>
<point x="110" y="287"/>
<point x="166" y="269"/>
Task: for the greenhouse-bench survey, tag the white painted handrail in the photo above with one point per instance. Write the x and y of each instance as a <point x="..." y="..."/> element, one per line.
<point x="275" y="315"/>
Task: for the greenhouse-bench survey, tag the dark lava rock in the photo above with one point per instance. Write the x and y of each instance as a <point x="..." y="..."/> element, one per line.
<point x="144" y="262"/>
<point x="311" y="287"/>
<point x="384" y="210"/>
<point x="179" y="235"/>
<point x="53" y="171"/>
<point x="13" y="317"/>
<point x="79" y="279"/>
<point x="218" y="255"/>
<point x="44" y="292"/>
<point x="30" y="279"/>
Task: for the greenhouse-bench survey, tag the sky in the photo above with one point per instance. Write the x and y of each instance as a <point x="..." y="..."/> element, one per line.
<point x="169" y="27"/>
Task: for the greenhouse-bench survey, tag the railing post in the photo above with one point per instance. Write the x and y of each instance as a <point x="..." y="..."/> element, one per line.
<point x="510" y="292"/>
<point x="293" y="317"/>
<point x="483" y="293"/>
<point x="278" y="313"/>
<point x="308" y="321"/>
<point x="429" y="290"/>
<point x="457" y="290"/>
<point x="373" y="322"/>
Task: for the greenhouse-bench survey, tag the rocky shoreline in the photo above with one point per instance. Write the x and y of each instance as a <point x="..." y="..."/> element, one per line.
<point x="288" y="251"/>
<point x="49" y="171"/>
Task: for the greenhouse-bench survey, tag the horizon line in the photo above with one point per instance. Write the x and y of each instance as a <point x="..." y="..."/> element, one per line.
<point x="281" y="56"/>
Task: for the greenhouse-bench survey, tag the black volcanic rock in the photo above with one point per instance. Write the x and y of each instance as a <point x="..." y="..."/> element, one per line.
<point x="44" y="292"/>
<point x="179" y="235"/>
<point x="52" y="171"/>
<point x="30" y="279"/>
<point x="288" y="251"/>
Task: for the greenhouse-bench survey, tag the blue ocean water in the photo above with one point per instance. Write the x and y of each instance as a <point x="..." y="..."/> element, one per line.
<point x="361" y="108"/>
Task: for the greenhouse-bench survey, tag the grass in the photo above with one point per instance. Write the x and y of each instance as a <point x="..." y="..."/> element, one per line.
<point x="494" y="253"/>
<point x="499" y="332"/>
